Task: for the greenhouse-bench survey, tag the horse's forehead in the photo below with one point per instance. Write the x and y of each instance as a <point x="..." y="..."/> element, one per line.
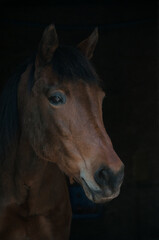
<point x="79" y="90"/>
<point x="75" y="86"/>
<point x="83" y="91"/>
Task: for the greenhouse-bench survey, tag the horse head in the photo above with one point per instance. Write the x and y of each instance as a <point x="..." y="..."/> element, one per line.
<point x="63" y="117"/>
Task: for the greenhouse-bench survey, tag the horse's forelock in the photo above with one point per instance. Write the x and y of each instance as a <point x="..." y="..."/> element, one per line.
<point x="69" y="63"/>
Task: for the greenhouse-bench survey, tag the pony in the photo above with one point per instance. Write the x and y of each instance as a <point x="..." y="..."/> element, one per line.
<point x="51" y="128"/>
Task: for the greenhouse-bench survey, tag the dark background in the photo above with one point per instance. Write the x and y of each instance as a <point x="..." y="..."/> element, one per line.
<point x="126" y="60"/>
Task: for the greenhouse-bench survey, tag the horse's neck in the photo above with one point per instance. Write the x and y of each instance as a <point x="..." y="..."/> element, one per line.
<point x="37" y="175"/>
<point x="31" y="168"/>
<point x="42" y="181"/>
<point x="28" y="163"/>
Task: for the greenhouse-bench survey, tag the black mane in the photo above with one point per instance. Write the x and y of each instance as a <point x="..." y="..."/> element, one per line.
<point x="9" y="120"/>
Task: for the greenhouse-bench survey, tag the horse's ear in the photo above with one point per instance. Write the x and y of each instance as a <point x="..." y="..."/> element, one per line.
<point x="47" y="46"/>
<point x="88" y="45"/>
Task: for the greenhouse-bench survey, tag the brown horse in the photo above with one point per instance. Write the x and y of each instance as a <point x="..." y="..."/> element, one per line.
<point x="51" y="126"/>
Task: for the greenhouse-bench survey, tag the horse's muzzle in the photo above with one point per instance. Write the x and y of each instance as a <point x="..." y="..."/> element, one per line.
<point x="105" y="177"/>
<point x="105" y="185"/>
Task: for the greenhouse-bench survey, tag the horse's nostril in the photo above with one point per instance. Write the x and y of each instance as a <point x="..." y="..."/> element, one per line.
<point x="105" y="177"/>
<point x="101" y="177"/>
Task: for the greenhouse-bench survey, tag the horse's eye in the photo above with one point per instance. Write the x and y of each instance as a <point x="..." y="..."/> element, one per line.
<point x="57" y="98"/>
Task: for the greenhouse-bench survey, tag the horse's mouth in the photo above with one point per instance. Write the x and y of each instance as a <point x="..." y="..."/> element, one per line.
<point x="101" y="196"/>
